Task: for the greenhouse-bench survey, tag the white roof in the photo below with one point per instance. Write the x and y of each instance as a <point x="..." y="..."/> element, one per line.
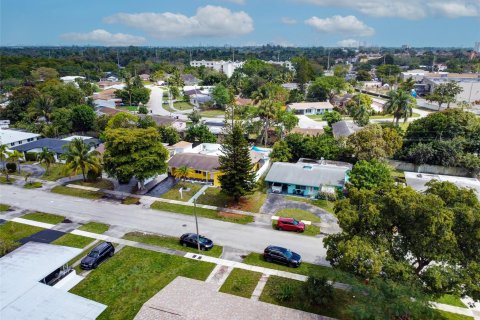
<point x="8" y="136"/>
<point x="22" y="296"/>
<point x="77" y="137"/>
<point x="309" y="105"/>
<point x="71" y="78"/>
<point x="418" y="181"/>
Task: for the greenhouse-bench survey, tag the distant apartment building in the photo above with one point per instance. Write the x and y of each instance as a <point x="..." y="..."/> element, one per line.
<point x="228" y="67"/>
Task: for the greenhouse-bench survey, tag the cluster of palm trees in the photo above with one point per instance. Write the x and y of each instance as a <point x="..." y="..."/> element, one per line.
<point x="78" y="159"/>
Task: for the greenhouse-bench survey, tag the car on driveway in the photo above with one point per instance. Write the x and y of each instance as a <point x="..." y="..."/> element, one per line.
<point x="290" y="224"/>
<point x="282" y="256"/>
<point x="98" y="254"/>
<point x="277" y="187"/>
<point x="190" y="240"/>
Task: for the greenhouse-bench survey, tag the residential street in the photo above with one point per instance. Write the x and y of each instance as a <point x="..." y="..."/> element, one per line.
<point x="244" y="237"/>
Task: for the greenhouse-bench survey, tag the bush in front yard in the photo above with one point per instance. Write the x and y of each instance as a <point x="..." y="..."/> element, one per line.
<point x="31" y="156"/>
<point x="318" y="291"/>
<point x="11" y="167"/>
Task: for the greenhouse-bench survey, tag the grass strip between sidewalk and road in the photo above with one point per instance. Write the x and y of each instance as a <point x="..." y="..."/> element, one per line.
<point x="95" y="227"/>
<point x="241" y="283"/>
<point x="74" y="192"/>
<point x="44" y="217"/>
<point x="169" y="242"/>
<point x="4" y="207"/>
<point x="132" y="276"/>
<point x="202" y="212"/>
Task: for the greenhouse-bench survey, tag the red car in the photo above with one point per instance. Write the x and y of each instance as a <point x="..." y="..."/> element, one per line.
<point x="290" y="224"/>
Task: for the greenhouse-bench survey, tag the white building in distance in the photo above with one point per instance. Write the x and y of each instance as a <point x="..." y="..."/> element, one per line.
<point x="228" y="67"/>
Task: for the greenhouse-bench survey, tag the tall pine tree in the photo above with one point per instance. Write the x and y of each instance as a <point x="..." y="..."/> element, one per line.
<point x="235" y="163"/>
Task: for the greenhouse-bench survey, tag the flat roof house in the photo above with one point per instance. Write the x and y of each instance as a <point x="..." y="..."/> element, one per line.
<point x="54" y="145"/>
<point x="308" y="177"/>
<point x="310" y="108"/>
<point x="12" y="138"/>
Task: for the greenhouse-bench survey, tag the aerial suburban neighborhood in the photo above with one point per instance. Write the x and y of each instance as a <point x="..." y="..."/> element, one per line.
<point x="210" y="160"/>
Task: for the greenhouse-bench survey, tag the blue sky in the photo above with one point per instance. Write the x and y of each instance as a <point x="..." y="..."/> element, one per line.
<point x="438" y="23"/>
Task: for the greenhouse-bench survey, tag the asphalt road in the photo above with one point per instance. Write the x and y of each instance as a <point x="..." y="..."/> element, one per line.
<point x="243" y="237"/>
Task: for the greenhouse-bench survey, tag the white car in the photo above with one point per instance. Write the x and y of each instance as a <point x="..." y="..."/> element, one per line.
<point x="277" y="187"/>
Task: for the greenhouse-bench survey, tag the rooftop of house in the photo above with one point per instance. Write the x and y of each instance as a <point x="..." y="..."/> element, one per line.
<point x="24" y="297"/>
<point x="195" y="161"/>
<point x="308" y="174"/>
<point x="8" y="136"/>
<point x="160" y="120"/>
<point x="202" y="301"/>
<point x="418" y="181"/>
<point x="344" y="128"/>
<point x="182" y="144"/>
<point x="307" y="131"/>
<point x="55" y="145"/>
<point x="309" y="105"/>
<point x="243" y="101"/>
<point x="108" y="111"/>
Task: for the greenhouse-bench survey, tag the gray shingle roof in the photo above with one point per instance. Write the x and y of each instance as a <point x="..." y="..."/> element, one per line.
<point x="344" y="129"/>
<point x="55" y="145"/>
<point x="307" y="174"/>
<point x="195" y="161"/>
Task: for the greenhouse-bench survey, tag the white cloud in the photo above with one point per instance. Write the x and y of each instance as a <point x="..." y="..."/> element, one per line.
<point x="103" y="37"/>
<point x="341" y="25"/>
<point x="349" y="43"/>
<point x="289" y="21"/>
<point x="209" y="21"/>
<point x="408" y="9"/>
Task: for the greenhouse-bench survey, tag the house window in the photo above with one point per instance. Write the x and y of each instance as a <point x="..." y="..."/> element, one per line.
<point x="12" y="144"/>
<point x="199" y="172"/>
<point x="300" y="187"/>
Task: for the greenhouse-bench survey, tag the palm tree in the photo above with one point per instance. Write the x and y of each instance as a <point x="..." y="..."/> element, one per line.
<point x="401" y="104"/>
<point x="182" y="172"/>
<point x="47" y="157"/>
<point x="266" y="112"/>
<point x="361" y="114"/>
<point x="44" y="106"/>
<point x="15" y="157"/>
<point x="407" y="85"/>
<point x="79" y="158"/>
<point x="3" y="155"/>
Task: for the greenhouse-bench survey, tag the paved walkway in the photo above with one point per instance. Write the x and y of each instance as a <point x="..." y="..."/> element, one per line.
<point x="219" y="275"/>
<point x="259" y="288"/>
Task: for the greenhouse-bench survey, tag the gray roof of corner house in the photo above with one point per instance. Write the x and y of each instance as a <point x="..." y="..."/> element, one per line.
<point x="344" y="129"/>
<point x="195" y="161"/>
<point x="296" y="173"/>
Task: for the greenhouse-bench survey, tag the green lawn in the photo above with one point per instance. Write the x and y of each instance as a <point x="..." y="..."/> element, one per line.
<point x="169" y="242"/>
<point x="182" y="105"/>
<point x="201" y="212"/>
<point x="174" y="194"/>
<point x="126" y="281"/>
<point x="298" y="214"/>
<point x="166" y="106"/>
<point x="32" y="185"/>
<point x="73" y="240"/>
<point x="4" y="207"/>
<point x="16" y="231"/>
<point x="451" y="300"/>
<point x="453" y="316"/>
<point x="289" y="293"/>
<point x="100" y="184"/>
<point x="324" y="204"/>
<point x="306" y="269"/>
<point x="241" y="283"/>
<point x="310" y="230"/>
<point x="3" y="180"/>
<point x="44" y="217"/>
<point x="129" y="108"/>
<point x="55" y="172"/>
<point x="131" y="200"/>
<point x="77" y="192"/>
<point x="95" y="227"/>
<point x="212" y="113"/>
<point x="251" y="203"/>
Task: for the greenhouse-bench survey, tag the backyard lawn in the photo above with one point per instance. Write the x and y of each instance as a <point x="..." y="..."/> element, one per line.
<point x="201" y="212"/>
<point x="174" y="194"/>
<point x="4" y="207"/>
<point x="298" y="214"/>
<point x="212" y="113"/>
<point x="182" y="105"/>
<point x="44" y="217"/>
<point x="288" y="293"/>
<point x="251" y="203"/>
<point x="100" y="184"/>
<point x="169" y="242"/>
<point x="73" y="240"/>
<point x="95" y="227"/>
<point x="126" y="281"/>
<point x="77" y="192"/>
<point x="241" y="283"/>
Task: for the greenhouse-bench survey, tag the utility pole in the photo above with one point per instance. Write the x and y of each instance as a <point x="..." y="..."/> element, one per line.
<point x="196" y="222"/>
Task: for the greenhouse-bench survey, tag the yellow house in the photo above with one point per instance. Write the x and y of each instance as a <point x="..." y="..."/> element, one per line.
<point x="202" y="167"/>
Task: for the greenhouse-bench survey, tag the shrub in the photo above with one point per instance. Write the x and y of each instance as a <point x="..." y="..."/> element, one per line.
<point x="7" y="245"/>
<point x="284" y="292"/>
<point x="31" y="156"/>
<point x="32" y="185"/>
<point x="318" y="290"/>
<point x="327" y="196"/>
<point x="11" y="167"/>
<point x="93" y="176"/>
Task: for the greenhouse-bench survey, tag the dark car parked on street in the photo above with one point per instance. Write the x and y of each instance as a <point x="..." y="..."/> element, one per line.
<point x="290" y="224"/>
<point x="282" y="256"/>
<point x="190" y="240"/>
<point x="97" y="255"/>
